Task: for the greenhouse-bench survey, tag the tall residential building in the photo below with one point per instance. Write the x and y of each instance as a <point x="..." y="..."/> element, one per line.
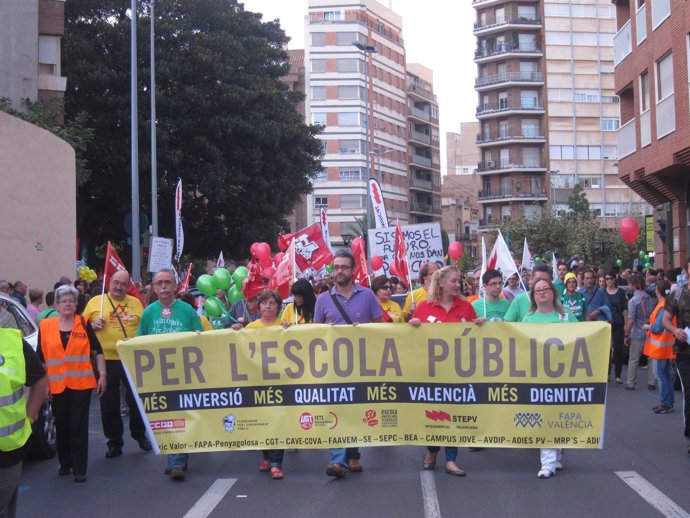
<point x="462" y="153"/>
<point x="548" y="108"/>
<point x="423" y="149"/>
<point x="652" y="55"/>
<point x="30" y="36"/>
<point x="357" y="88"/>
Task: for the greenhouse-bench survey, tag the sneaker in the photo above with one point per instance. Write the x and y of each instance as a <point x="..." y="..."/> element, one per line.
<point x="559" y="465"/>
<point x="545" y="473"/>
<point x="629" y="387"/>
<point x="113" y="451"/>
<point x="177" y="474"/>
<point x="663" y="409"/>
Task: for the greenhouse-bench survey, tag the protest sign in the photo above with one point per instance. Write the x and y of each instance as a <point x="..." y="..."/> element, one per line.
<point x="317" y="386"/>
<point x="423" y="244"/>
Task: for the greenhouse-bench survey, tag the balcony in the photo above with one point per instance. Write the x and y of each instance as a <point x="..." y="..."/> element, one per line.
<point x="504" y="166"/>
<point x="641" y="23"/>
<point x="420" y="137"/>
<point x="424" y="208"/>
<point x="480" y="4"/>
<point x="512" y="194"/>
<point x="502" y="24"/>
<point x="421" y="90"/>
<point x="419" y="114"/>
<point x="502" y="50"/>
<point x="419" y="184"/>
<point x="359" y="19"/>
<point x="526" y="107"/>
<point x="622" y="44"/>
<point x="491" y="81"/>
<point x="627" y="143"/>
<point x="420" y="160"/>
<point x="526" y="136"/>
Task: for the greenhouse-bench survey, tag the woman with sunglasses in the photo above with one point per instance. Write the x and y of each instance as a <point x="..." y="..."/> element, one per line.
<point x="618" y="303"/>
<point x="382" y="288"/>
<point x="546" y="309"/>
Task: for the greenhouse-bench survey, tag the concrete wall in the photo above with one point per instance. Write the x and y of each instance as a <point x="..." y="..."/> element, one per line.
<point x="37" y="206"/>
<point x="19" y="49"/>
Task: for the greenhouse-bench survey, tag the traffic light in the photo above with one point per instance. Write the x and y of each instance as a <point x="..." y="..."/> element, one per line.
<point x="662" y="229"/>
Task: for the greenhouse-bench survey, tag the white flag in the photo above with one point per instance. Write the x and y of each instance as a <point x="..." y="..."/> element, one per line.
<point x="220" y="263"/>
<point x="179" y="232"/>
<point x="554" y="266"/>
<point x="323" y="218"/>
<point x="501" y="259"/>
<point x="527" y="259"/>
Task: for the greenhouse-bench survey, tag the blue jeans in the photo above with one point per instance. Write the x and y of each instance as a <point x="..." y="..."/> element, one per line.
<point x="275" y="457"/>
<point x="178" y="460"/>
<point x="342" y="455"/>
<point x="662" y="371"/>
<point x="451" y="452"/>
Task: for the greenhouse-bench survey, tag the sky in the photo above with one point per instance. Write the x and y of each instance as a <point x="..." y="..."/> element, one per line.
<point x="437" y="34"/>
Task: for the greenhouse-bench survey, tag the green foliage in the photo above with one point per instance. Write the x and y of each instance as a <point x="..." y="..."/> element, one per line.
<point x="49" y="115"/>
<point x="226" y="124"/>
<point x="578" y="204"/>
<point x="584" y="237"/>
<point x="465" y="263"/>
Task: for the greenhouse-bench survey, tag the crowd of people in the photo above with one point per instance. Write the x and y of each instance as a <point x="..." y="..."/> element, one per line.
<point x="648" y="311"/>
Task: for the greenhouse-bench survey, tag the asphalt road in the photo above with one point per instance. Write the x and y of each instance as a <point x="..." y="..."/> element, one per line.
<point x="643" y="467"/>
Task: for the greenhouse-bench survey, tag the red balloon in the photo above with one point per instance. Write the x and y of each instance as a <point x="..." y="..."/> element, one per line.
<point x="629" y="230"/>
<point x="455" y="250"/>
<point x="277" y="258"/>
<point x="253" y="249"/>
<point x="376" y="262"/>
<point x="266" y="263"/>
<point x="282" y="242"/>
<point x="268" y="272"/>
<point x="263" y="251"/>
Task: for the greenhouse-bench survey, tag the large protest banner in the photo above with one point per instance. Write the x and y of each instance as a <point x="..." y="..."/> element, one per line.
<point x="317" y="386"/>
<point x="423" y="243"/>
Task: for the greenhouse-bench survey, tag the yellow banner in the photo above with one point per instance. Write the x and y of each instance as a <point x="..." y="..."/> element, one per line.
<point x="319" y="386"/>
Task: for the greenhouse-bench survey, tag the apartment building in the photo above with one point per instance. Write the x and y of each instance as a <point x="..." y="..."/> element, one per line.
<point x="652" y="51"/>
<point x="424" y="146"/>
<point x="548" y="109"/>
<point x="462" y="153"/>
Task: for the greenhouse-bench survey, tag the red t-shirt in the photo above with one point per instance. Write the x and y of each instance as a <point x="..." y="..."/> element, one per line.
<point x="460" y="311"/>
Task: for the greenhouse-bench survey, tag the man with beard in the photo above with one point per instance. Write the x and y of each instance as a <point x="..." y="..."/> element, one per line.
<point x="346" y="303"/>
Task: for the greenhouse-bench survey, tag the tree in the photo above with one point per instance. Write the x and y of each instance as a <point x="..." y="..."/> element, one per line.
<point x="226" y="125"/>
<point x="578" y="204"/>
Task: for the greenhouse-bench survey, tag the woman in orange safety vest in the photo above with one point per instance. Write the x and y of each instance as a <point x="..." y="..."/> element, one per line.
<point x="65" y="345"/>
<point x="659" y="347"/>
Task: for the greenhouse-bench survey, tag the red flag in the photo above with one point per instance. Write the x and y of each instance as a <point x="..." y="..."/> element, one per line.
<point x="113" y="264"/>
<point x="361" y="274"/>
<point x="311" y="249"/>
<point x="285" y="272"/>
<point x="184" y="285"/>
<point x="254" y="284"/>
<point x="400" y="267"/>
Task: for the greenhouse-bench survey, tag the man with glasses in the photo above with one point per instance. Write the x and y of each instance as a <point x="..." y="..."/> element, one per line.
<point x="346" y="303"/>
<point x="495" y="306"/>
<point x="169" y="315"/>
<point x="115" y="316"/>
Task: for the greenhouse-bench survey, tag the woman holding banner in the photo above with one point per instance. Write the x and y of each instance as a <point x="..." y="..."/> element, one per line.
<point x="444" y="304"/>
<point x="382" y="288"/>
<point x="301" y="309"/>
<point x="269" y="303"/>
<point x="546" y="309"/>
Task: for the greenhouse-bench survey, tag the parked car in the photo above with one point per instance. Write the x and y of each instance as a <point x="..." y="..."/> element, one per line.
<point x="42" y="443"/>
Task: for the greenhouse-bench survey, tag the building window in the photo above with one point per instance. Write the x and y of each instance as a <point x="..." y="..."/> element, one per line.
<point x="350" y="175"/>
<point x="351" y="201"/>
<point x="348" y="65"/>
<point x="320" y="201"/>
<point x="318" y="65"/>
<point x="349" y="147"/>
<point x="318" y="118"/>
<point x="333" y="16"/>
<point x="318" y="39"/>
<point x="49" y="55"/>
<point x="346" y="38"/>
<point x="348" y="92"/>
<point x="318" y="93"/>
<point x="665" y="109"/>
<point x="348" y="119"/>
<point x="611" y="124"/>
<point x="321" y="176"/>
<point x="661" y="9"/>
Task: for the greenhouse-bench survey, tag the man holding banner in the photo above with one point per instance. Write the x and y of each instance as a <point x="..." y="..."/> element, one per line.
<point x="346" y="303"/>
<point x="169" y="315"/>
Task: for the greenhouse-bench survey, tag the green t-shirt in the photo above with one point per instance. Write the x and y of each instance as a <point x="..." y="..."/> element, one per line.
<point x="157" y="320"/>
<point x="495" y="310"/>
<point x="46" y="313"/>
<point x="518" y="308"/>
<point x="550" y="318"/>
<point x="560" y="287"/>
<point x="576" y="304"/>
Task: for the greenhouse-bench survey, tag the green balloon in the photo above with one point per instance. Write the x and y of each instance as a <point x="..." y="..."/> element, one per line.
<point x="239" y="275"/>
<point x="647" y="264"/>
<point x="222" y="279"/>
<point x="213" y="307"/>
<point x="235" y="294"/>
<point x="329" y="268"/>
<point x="205" y="285"/>
<point x="641" y="254"/>
<point x="537" y="259"/>
<point x="619" y="263"/>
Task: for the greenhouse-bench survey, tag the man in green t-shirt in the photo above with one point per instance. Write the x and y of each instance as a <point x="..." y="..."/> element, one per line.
<point x="492" y="306"/>
<point x="169" y="315"/>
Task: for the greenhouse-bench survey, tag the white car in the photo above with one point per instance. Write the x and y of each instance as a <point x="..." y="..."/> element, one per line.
<point x="42" y="443"/>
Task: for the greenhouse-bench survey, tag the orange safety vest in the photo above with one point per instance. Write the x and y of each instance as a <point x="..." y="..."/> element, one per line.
<point x="659" y="346"/>
<point x="68" y="367"/>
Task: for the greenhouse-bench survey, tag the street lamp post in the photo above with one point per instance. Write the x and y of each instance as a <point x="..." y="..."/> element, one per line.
<point x="368" y="50"/>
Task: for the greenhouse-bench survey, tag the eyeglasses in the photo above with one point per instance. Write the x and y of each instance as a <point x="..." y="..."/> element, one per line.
<point x="341" y="267"/>
<point x="163" y="283"/>
<point x="68" y="301"/>
<point x="542" y="291"/>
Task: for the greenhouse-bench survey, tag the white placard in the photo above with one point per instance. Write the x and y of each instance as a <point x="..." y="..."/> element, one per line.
<point x="160" y="253"/>
<point x="423" y="244"/>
